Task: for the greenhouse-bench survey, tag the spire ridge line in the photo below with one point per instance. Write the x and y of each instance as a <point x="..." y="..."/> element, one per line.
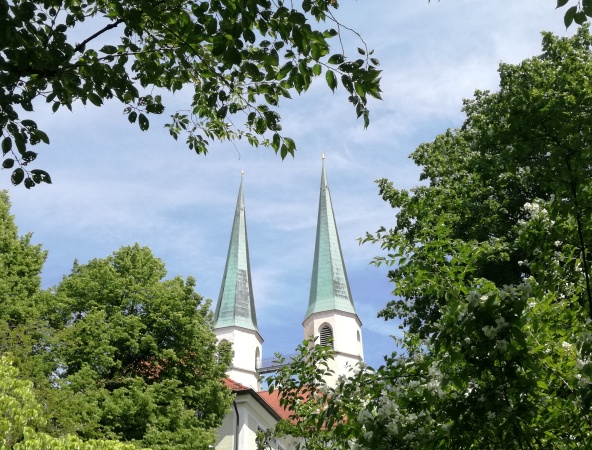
<point x="329" y="288"/>
<point x="236" y="304"/>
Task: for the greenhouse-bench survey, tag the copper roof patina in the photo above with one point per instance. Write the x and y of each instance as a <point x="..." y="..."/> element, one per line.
<point x="329" y="287"/>
<point x="236" y="305"/>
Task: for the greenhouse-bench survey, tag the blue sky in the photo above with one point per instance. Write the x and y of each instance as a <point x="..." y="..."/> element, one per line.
<point x="115" y="185"/>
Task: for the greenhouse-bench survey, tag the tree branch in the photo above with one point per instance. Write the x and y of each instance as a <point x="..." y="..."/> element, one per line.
<point x="80" y="47"/>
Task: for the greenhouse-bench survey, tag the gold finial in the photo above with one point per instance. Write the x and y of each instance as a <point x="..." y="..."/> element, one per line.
<point x="323" y="155"/>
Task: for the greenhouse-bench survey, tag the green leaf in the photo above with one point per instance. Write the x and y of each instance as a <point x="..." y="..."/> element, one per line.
<point x="580" y="17"/>
<point x="27" y="105"/>
<point x="40" y="135"/>
<point x="219" y="49"/>
<point x="132" y="116"/>
<point x="29" y="124"/>
<point x="29" y="183"/>
<point x="587" y="7"/>
<point x="6" y="145"/>
<point x="561" y="3"/>
<point x="317" y="69"/>
<point x="284" y="70"/>
<point x="21" y="144"/>
<point x="337" y="58"/>
<point x="542" y="385"/>
<point x="8" y="163"/>
<point x="17" y="176"/>
<point x="42" y="175"/>
<point x="143" y="122"/>
<point x="331" y="80"/>
<point x="109" y="49"/>
<point x="95" y="99"/>
<point x="569" y="16"/>
<point x="29" y="156"/>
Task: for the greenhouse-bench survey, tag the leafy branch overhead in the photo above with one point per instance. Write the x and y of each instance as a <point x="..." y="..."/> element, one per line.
<point x="578" y="12"/>
<point x="240" y="56"/>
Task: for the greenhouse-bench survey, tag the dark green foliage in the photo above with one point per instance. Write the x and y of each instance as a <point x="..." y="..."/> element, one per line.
<point x="138" y="358"/>
<point x="490" y="259"/>
<point x="20" y="267"/>
<point x="240" y="56"/>
<point x="23" y="330"/>
<point x="115" y="351"/>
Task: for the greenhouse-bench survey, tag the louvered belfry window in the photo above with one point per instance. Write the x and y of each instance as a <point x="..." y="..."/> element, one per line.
<point x="326" y="336"/>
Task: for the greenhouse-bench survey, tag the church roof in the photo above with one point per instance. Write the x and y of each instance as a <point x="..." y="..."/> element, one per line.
<point x="236" y="305"/>
<point x="273" y="400"/>
<point x="270" y="402"/>
<point x="234" y="385"/>
<point x="329" y="287"/>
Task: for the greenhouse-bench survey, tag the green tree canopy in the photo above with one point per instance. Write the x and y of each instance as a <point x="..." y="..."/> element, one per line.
<point x="23" y="330"/>
<point x="490" y="262"/>
<point x="240" y="57"/>
<point x="138" y="360"/>
<point x="21" y="417"/>
<point x="20" y="268"/>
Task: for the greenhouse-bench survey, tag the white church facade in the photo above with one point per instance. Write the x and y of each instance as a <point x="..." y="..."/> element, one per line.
<point x="330" y="317"/>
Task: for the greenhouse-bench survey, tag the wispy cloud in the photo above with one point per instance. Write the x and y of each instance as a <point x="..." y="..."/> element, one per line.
<point x="114" y="185"/>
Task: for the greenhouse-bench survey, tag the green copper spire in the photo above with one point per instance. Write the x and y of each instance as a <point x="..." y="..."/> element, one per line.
<point x="236" y="306"/>
<point x="329" y="287"/>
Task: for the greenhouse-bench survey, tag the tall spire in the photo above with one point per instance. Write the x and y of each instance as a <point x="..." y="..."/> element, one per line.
<point x="329" y="287"/>
<point x="236" y="305"/>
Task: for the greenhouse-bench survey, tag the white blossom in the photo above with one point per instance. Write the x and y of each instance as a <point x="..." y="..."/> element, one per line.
<point x="489" y="331"/>
<point x="501" y="345"/>
<point x="501" y="323"/>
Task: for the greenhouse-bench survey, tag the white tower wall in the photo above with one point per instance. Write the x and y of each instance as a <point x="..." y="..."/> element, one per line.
<point x="347" y="340"/>
<point x="247" y="347"/>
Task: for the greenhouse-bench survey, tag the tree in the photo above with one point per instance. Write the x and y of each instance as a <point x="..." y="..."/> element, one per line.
<point x="240" y="57"/>
<point x="21" y="417"/>
<point x="138" y="360"/>
<point x="23" y="330"/>
<point x="20" y="267"/>
<point x="577" y="13"/>
<point x="490" y="259"/>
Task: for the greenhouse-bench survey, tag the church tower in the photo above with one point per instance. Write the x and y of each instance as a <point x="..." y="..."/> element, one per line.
<point x="235" y="319"/>
<point x="331" y="316"/>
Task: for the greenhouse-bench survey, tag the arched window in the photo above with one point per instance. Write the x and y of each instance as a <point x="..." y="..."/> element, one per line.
<point x="257" y="358"/>
<point x="326" y="335"/>
<point x="224" y="347"/>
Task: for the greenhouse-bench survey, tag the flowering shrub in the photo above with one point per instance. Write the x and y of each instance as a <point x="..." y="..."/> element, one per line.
<point x="491" y="265"/>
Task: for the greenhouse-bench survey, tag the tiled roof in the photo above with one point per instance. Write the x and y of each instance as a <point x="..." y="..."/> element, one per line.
<point x="273" y="400"/>
<point x="270" y="400"/>
<point x="235" y="385"/>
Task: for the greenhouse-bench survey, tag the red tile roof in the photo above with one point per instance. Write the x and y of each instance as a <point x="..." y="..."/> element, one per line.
<point x="273" y="400"/>
<point x="235" y="385"/>
<point x="270" y="400"/>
